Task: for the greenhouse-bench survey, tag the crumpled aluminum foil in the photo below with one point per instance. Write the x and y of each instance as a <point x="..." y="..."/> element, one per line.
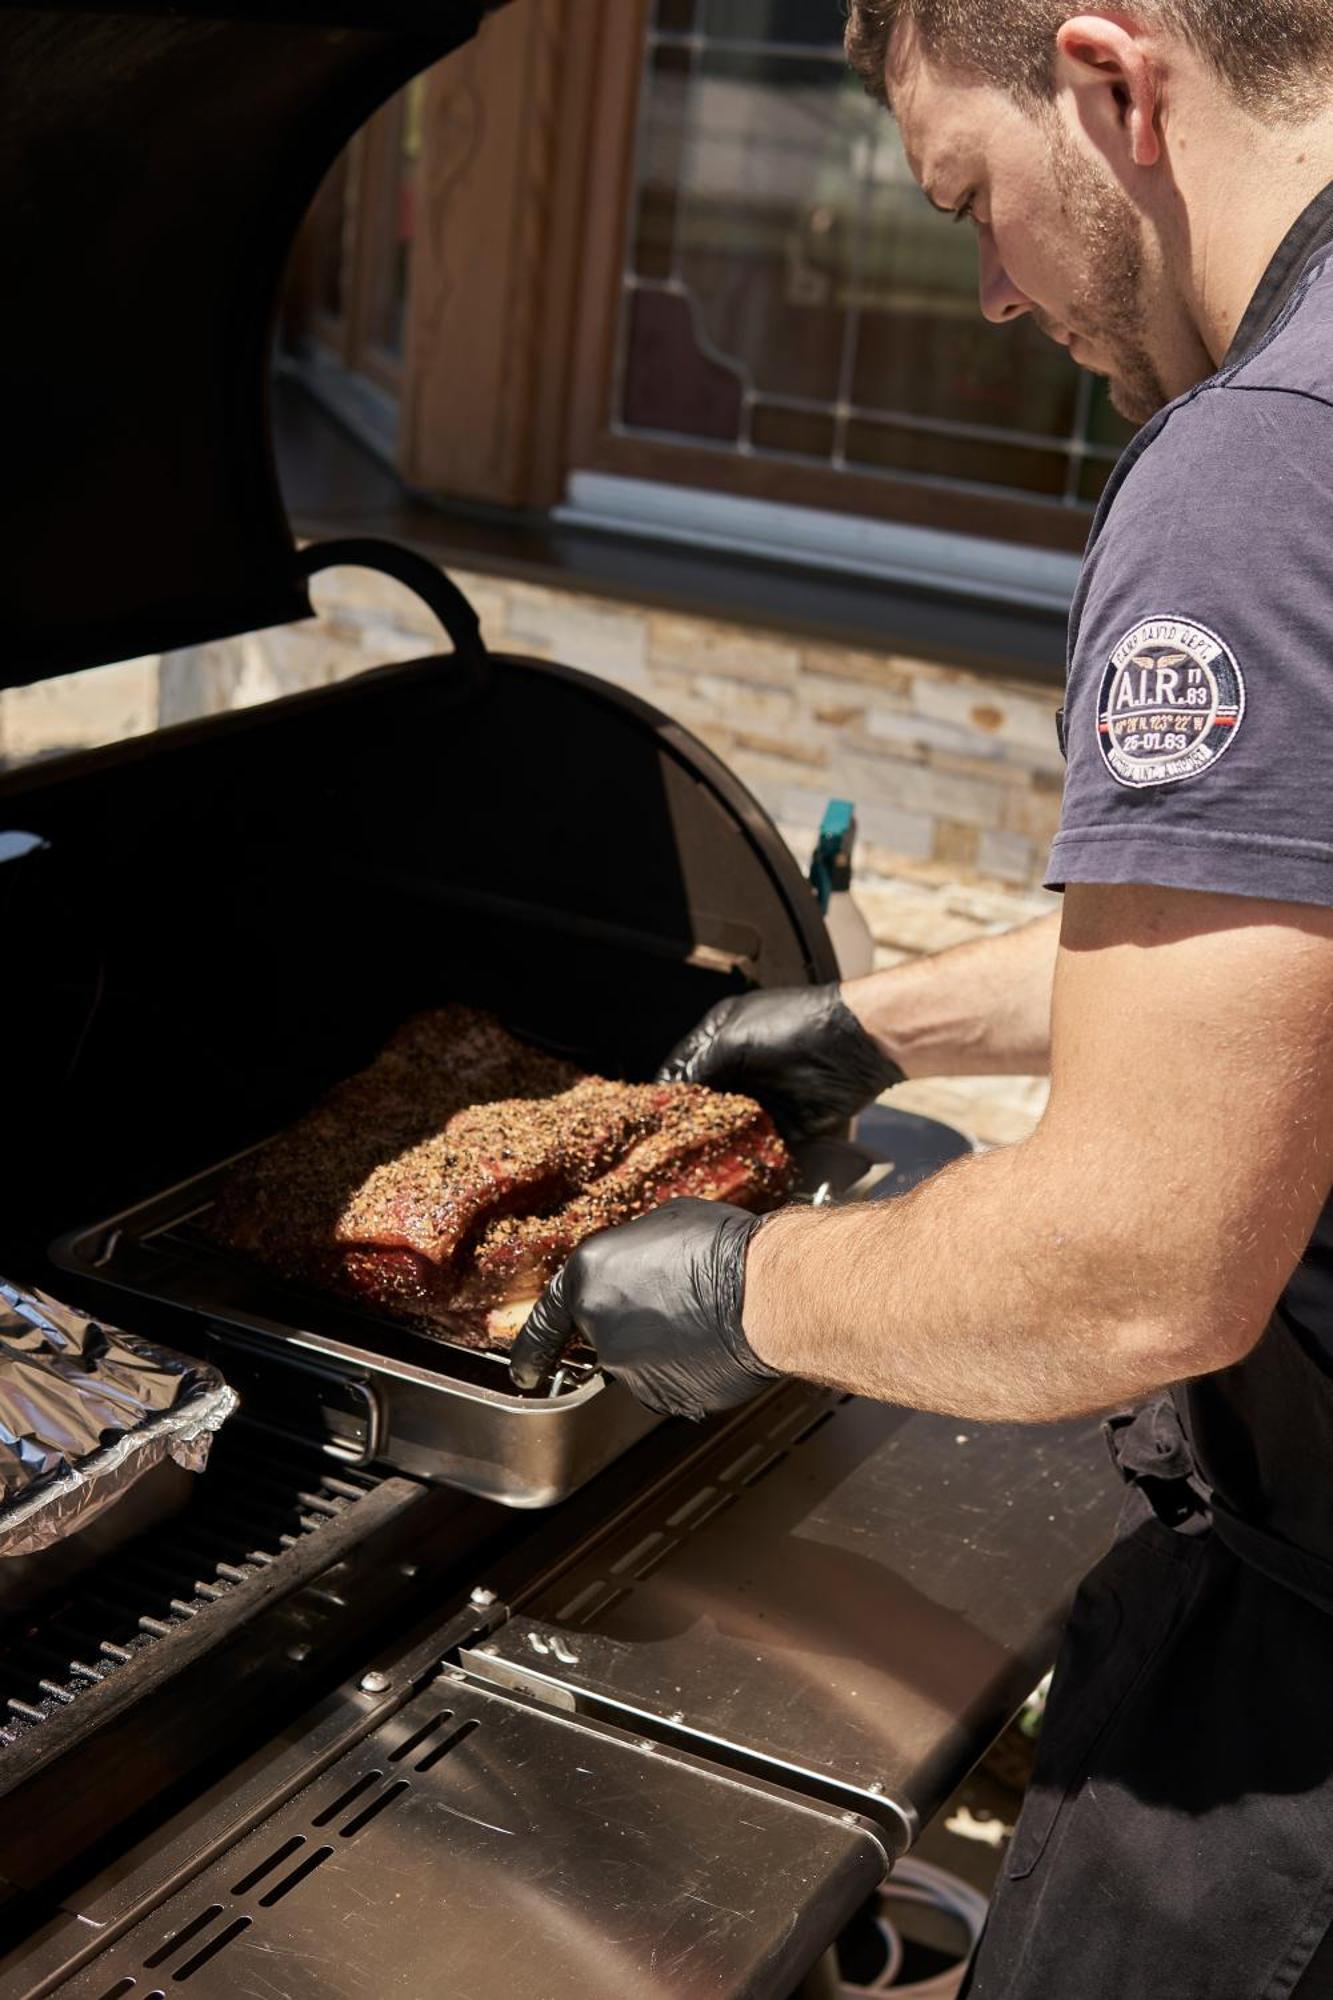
<point x="85" y="1412"/>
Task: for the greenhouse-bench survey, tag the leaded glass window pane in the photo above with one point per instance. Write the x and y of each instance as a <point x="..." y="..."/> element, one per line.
<point x="789" y="292"/>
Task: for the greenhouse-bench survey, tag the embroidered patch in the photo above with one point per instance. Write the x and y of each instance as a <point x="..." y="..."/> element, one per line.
<point x="1171" y="703"/>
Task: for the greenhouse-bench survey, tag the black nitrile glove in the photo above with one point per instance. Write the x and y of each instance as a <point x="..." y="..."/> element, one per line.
<point x="659" y="1300"/>
<point x="800" y="1051"/>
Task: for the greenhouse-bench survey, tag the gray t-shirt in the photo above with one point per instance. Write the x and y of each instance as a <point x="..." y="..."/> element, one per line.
<point x="1199" y="714"/>
<point x="1198" y="723"/>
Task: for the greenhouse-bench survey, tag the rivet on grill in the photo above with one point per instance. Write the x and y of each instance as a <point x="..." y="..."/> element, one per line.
<point x="483" y="1599"/>
<point x="375" y="1683"/>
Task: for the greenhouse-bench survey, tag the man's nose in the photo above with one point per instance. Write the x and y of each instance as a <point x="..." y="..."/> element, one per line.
<point x="1001" y="300"/>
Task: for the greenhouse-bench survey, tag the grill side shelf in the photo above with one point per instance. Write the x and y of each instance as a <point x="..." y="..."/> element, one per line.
<point x="473" y="1843"/>
<point x="847" y="1598"/>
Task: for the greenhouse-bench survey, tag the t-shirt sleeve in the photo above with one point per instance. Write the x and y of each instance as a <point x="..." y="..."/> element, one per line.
<point x="1198" y="722"/>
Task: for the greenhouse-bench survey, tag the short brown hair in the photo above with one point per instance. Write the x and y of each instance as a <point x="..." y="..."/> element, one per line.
<point x="1276" y="55"/>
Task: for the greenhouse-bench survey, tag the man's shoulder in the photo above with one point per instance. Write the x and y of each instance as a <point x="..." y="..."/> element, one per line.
<point x="1296" y="357"/>
<point x="1226" y="496"/>
<point x="1246" y="442"/>
<point x="1272" y="410"/>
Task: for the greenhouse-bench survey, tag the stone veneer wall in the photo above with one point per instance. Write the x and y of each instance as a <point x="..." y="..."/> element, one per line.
<point x="956" y="779"/>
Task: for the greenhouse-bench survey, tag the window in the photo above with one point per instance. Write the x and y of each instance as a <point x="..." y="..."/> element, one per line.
<point x="674" y="241"/>
<point x="790" y="304"/>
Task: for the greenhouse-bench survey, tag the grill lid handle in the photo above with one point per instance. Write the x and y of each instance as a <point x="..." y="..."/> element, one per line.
<point x="436" y="589"/>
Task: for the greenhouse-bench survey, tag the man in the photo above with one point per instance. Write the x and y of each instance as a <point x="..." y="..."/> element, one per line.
<point x="1152" y="182"/>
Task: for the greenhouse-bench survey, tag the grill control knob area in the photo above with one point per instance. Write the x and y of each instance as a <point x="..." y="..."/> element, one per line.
<point x="375" y="1683"/>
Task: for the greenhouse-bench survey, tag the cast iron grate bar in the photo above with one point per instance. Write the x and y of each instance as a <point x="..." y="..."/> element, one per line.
<point x="255" y="1500"/>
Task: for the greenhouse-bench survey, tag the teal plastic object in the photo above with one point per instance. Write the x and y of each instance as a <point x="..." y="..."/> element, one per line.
<point x="831" y="867"/>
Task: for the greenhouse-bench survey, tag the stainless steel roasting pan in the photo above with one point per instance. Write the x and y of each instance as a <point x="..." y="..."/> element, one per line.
<point x="378" y="1392"/>
<point x="371" y="1389"/>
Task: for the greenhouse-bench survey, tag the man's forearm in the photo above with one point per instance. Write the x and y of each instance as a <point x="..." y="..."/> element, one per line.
<point x="985" y="1294"/>
<point x="1144" y="1233"/>
<point x="982" y="1009"/>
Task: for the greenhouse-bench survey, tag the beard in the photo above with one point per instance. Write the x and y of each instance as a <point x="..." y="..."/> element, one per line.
<point x="1108" y="307"/>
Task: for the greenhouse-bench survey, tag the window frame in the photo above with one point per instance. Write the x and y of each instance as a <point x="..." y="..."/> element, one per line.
<point x="594" y="444"/>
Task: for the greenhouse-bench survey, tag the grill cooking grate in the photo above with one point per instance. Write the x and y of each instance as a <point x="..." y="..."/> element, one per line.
<point x="257" y="1498"/>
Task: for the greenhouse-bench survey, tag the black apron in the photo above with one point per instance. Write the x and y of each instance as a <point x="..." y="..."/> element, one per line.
<point x="1176" y="1842"/>
<point x="1177" y="1839"/>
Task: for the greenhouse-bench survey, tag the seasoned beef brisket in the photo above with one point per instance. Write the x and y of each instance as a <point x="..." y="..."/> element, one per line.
<point x="448" y="1181"/>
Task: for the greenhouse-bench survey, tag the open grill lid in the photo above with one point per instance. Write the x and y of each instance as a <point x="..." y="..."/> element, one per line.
<point x="155" y="164"/>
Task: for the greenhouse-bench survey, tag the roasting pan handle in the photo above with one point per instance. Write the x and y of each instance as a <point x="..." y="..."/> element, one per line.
<point x="369" y="1450"/>
<point x="418" y="574"/>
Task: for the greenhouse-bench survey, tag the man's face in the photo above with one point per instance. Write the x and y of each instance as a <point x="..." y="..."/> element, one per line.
<point x="1058" y="237"/>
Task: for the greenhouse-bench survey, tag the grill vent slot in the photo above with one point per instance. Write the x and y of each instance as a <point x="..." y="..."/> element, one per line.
<point x="279" y="1855"/>
<point x="415" y="1741"/>
<point x="212" y="1948"/>
<point x="280" y="1873"/>
<point x="388" y="1797"/>
<point x="451" y="1742"/>
<point x="596" y="1598"/>
<point x="179" y="1939"/>
<point x="765" y="1466"/>
<point x="347" y="1798"/>
<point x="297" y="1876"/>
<point x="817" y="1424"/>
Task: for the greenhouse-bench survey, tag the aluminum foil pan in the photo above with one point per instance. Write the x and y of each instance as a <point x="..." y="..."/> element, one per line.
<point x="86" y="1411"/>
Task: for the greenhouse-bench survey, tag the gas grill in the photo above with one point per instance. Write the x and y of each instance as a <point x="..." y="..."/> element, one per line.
<point x="431" y="1687"/>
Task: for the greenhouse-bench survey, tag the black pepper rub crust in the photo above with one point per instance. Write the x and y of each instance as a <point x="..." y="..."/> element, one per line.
<point x="446" y="1183"/>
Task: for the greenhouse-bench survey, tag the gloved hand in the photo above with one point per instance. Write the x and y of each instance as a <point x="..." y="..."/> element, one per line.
<point x="660" y="1302"/>
<point x="800" y="1051"/>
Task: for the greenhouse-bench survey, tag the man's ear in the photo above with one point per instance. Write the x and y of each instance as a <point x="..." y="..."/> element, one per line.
<point x="1115" y="79"/>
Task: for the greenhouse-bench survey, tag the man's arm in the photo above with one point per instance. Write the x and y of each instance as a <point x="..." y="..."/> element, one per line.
<point x="815" y="1056"/>
<point x="982" y="1009"/>
<point x="1143" y="1234"/>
